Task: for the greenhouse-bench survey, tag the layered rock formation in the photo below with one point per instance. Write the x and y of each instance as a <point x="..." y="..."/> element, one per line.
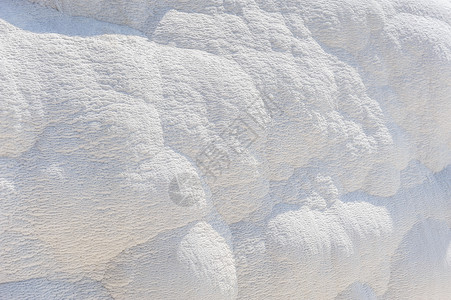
<point x="230" y="149"/>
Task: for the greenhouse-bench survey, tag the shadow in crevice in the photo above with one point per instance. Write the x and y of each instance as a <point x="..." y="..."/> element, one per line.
<point x="35" y="18"/>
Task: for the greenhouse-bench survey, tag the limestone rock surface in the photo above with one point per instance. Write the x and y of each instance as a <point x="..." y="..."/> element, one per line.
<point x="225" y="149"/>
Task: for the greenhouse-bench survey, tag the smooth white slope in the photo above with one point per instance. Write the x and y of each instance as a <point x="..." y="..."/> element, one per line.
<point x="346" y="179"/>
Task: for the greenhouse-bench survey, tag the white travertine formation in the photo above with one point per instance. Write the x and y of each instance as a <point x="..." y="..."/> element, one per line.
<point x="225" y="149"/>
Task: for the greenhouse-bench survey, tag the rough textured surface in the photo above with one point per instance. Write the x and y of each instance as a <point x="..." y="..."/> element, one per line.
<point x="340" y="188"/>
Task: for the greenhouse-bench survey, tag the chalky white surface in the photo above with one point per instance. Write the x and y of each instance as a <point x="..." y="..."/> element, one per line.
<point x="345" y="193"/>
